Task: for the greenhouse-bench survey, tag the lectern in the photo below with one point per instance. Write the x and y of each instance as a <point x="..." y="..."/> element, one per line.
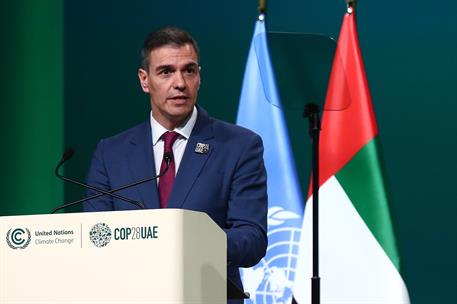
<point x="150" y="256"/>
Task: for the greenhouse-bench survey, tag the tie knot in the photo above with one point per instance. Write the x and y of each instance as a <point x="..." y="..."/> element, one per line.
<point x="169" y="138"/>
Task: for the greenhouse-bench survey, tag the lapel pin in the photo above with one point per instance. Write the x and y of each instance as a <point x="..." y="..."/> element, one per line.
<point x="202" y="148"/>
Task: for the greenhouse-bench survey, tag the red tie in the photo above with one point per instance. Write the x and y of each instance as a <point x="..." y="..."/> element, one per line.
<point x="166" y="181"/>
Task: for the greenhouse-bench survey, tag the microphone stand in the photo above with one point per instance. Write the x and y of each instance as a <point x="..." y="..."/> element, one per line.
<point x="311" y="112"/>
<point x="110" y="192"/>
<point x="101" y="191"/>
<point x="69" y="153"/>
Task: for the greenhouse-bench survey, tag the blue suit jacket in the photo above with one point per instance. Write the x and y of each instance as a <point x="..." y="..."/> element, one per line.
<point x="228" y="183"/>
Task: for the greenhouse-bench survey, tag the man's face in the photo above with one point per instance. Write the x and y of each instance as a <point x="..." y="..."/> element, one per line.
<point x="172" y="82"/>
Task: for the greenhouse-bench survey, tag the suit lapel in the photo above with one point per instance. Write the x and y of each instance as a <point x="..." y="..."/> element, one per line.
<point x="192" y="162"/>
<point x="141" y="164"/>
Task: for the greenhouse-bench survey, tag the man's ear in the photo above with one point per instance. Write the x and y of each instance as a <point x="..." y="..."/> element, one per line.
<point x="200" y="80"/>
<point x="143" y="77"/>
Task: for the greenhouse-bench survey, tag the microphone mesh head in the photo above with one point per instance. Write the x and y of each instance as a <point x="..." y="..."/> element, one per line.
<point x="68" y="154"/>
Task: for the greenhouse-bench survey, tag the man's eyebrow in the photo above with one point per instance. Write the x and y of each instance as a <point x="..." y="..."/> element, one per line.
<point x="191" y="65"/>
<point x="171" y="67"/>
<point x="164" y="67"/>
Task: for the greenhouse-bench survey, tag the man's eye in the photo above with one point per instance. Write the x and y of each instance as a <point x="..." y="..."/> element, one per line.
<point x="190" y="70"/>
<point x="165" y="72"/>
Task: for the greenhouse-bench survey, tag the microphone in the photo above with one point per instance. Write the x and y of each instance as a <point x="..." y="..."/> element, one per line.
<point x="167" y="156"/>
<point x="69" y="153"/>
<point x="66" y="156"/>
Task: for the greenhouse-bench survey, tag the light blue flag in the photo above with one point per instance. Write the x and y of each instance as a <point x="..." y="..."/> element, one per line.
<point x="271" y="280"/>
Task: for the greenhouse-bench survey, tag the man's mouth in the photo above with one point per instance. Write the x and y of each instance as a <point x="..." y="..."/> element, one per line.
<point x="179" y="98"/>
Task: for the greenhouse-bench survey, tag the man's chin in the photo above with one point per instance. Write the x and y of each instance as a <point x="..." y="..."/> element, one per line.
<point x="180" y="113"/>
<point x="181" y="109"/>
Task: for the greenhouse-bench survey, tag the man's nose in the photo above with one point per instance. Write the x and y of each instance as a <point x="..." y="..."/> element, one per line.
<point x="179" y="82"/>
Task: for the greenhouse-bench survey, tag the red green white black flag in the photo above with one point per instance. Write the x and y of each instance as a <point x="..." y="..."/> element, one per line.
<point x="359" y="260"/>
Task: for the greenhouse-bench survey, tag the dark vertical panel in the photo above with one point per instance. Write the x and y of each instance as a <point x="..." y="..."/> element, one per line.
<point x="31" y="115"/>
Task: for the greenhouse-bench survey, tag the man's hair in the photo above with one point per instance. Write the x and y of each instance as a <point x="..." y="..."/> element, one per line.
<point x="172" y="36"/>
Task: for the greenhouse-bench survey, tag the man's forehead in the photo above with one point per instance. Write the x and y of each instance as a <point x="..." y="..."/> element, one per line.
<point x="173" y="54"/>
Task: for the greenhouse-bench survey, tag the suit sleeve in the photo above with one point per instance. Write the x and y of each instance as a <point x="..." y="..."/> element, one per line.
<point x="247" y="207"/>
<point x="98" y="177"/>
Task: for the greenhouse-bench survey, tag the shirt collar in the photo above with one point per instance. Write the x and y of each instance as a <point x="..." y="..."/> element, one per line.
<point x="184" y="130"/>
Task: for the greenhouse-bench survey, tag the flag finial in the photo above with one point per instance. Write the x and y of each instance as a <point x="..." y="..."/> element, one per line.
<point x="351" y="4"/>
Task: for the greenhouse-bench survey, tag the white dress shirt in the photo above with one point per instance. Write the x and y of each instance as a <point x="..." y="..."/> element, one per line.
<point x="179" y="145"/>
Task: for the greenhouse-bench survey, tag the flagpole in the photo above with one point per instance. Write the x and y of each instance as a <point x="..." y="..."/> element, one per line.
<point x="351" y="5"/>
<point x="262" y="7"/>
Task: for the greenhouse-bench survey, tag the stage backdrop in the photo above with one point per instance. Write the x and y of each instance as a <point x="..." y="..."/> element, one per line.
<point x="69" y="79"/>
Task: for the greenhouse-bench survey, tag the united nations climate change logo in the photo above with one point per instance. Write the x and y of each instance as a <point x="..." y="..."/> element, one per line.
<point x="100" y="234"/>
<point x="18" y="238"/>
<point x="271" y="280"/>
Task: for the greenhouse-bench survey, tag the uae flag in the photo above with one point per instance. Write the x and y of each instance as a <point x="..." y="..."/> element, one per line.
<point x="359" y="260"/>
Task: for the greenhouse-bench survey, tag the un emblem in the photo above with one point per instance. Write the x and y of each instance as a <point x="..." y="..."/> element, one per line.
<point x="271" y="280"/>
<point x="100" y="234"/>
<point x="18" y="238"/>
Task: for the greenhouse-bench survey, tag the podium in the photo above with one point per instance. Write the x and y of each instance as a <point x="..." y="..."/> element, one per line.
<point x="164" y="256"/>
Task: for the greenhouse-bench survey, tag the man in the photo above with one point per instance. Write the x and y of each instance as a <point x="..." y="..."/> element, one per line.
<point x="215" y="167"/>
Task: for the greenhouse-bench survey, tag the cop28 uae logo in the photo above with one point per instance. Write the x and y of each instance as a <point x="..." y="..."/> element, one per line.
<point x="18" y="238"/>
<point x="100" y="234"/>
